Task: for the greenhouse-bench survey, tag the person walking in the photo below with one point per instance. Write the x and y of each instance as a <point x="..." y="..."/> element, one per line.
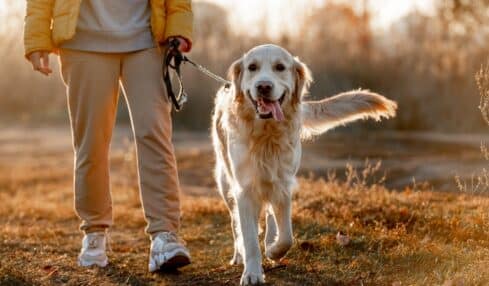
<point x="101" y="43"/>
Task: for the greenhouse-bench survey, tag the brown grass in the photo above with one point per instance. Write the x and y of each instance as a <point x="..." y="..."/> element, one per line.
<point x="409" y="237"/>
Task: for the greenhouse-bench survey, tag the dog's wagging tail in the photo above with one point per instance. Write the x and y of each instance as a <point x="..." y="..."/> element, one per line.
<point x="323" y="115"/>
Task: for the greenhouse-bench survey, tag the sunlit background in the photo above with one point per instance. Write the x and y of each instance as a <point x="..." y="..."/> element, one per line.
<point x="421" y="53"/>
<point x="280" y="15"/>
<point x="410" y="192"/>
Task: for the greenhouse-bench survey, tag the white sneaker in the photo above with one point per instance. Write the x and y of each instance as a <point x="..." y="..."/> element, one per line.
<point x="167" y="252"/>
<point x="93" y="250"/>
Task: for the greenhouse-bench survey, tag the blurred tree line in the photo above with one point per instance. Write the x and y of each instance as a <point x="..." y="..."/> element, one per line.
<point x="426" y="63"/>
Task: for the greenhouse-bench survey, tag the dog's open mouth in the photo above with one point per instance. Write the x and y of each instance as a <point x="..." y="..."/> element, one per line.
<point x="267" y="109"/>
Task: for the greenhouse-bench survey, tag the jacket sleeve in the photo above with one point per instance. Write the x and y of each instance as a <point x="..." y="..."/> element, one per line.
<point x="179" y="19"/>
<point x="37" y="26"/>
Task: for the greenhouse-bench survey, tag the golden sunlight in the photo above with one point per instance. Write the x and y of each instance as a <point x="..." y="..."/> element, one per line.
<point x="3" y="8"/>
<point x="279" y="14"/>
<point x="402" y="201"/>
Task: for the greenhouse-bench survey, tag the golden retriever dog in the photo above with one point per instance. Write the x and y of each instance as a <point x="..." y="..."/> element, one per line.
<point x="258" y="124"/>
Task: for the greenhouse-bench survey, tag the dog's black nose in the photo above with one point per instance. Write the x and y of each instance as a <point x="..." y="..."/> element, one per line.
<point x="264" y="87"/>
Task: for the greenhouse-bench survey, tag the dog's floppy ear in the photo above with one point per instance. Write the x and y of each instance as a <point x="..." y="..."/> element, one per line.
<point x="303" y="79"/>
<point x="235" y="73"/>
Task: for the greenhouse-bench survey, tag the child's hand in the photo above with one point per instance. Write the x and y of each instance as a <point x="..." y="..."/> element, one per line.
<point x="184" y="46"/>
<point x="40" y="62"/>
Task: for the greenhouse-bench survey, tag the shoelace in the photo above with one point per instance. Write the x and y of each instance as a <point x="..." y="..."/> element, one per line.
<point x="94" y="241"/>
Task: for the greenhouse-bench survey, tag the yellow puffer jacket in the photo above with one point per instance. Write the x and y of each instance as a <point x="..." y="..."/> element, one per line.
<point x="51" y="22"/>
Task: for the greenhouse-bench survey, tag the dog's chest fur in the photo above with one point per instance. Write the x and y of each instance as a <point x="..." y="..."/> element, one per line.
<point x="272" y="150"/>
<point x="258" y="155"/>
<point x="262" y="155"/>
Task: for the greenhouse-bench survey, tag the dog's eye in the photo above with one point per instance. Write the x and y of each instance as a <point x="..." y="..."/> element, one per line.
<point x="252" y="67"/>
<point x="279" y="67"/>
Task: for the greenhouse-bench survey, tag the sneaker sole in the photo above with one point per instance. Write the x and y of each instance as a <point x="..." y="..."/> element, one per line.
<point x="179" y="260"/>
<point x="100" y="263"/>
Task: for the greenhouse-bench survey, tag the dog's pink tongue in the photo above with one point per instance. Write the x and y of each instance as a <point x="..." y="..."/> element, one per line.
<point x="273" y="107"/>
<point x="277" y="111"/>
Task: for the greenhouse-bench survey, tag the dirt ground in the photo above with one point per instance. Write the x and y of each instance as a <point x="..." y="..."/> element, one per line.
<point x="414" y="235"/>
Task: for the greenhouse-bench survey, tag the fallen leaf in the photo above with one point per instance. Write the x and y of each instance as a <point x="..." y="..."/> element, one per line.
<point x="306" y="246"/>
<point x="342" y="239"/>
<point x="284" y="261"/>
<point x="47" y="267"/>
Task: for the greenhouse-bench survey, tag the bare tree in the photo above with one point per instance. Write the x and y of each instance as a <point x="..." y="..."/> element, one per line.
<point x="482" y="79"/>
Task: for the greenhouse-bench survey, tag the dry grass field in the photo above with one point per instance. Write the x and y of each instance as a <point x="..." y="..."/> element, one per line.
<point x="411" y="236"/>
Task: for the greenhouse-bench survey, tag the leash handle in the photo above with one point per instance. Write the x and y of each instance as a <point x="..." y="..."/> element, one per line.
<point x="174" y="44"/>
<point x="173" y="60"/>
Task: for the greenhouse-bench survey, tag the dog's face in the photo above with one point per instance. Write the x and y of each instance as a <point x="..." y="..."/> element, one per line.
<point x="270" y="79"/>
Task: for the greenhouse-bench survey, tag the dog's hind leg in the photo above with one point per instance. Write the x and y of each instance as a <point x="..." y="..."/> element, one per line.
<point x="281" y="206"/>
<point x="225" y="190"/>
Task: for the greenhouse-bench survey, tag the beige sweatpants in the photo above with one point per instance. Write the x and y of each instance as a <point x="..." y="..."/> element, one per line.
<point x="92" y="81"/>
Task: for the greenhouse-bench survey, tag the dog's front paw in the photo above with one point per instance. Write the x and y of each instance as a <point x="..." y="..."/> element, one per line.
<point x="251" y="278"/>
<point x="237" y="259"/>
<point x="278" y="250"/>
